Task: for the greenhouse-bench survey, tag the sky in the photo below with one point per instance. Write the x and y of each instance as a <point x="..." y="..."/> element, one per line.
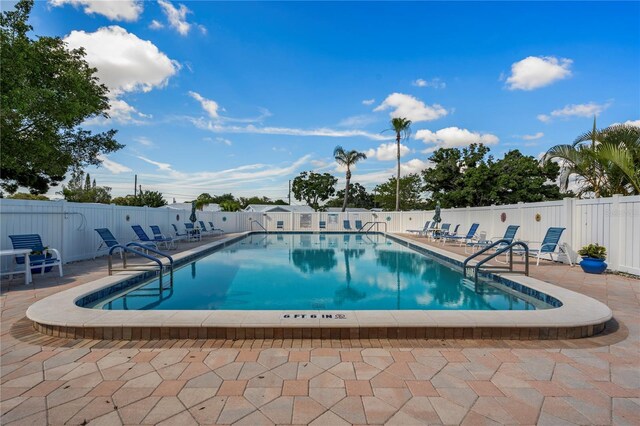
<point x="240" y="97"/>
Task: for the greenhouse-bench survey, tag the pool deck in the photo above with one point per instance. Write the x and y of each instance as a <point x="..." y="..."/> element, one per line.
<point x="48" y="380"/>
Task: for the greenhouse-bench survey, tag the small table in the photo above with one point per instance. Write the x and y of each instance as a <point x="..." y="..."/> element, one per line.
<point x="27" y="263"/>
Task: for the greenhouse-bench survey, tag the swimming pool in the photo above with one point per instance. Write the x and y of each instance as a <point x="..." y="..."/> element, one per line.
<point x="324" y="272"/>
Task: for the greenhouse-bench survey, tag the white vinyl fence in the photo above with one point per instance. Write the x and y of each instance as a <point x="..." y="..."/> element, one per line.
<point x="613" y="222"/>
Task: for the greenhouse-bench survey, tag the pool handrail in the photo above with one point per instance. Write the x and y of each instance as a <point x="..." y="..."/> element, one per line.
<point x="509" y="246"/>
<point x="371" y="225"/>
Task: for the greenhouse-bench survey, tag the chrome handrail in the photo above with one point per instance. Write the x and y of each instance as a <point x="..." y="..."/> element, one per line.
<point x="152" y="250"/>
<point x="509" y="247"/>
<point x="126" y="249"/>
<point x="371" y="225"/>
<point x="251" y="222"/>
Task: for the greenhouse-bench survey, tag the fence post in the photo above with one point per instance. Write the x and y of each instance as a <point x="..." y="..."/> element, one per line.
<point x="63" y="232"/>
<point x="617" y="234"/>
<point x="567" y="220"/>
<point x="468" y="217"/>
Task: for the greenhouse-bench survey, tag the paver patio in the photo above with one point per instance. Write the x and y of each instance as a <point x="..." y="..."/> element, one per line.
<point x="48" y="380"/>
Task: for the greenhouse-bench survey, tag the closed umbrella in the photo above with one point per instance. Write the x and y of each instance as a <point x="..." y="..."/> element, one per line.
<point x="436" y="217"/>
<point x="193" y="217"/>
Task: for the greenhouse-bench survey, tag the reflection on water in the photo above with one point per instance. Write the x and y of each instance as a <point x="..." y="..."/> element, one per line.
<point x="318" y="271"/>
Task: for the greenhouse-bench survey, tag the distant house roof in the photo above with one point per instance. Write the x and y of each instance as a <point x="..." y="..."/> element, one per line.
<point x="187" y="206"/>
<point x="265" y="208"/>
<point x="348" y="210"/>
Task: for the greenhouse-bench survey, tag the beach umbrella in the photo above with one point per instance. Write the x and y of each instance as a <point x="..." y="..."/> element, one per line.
<point x="436" y="216"/>
<point x="193" y="217"/>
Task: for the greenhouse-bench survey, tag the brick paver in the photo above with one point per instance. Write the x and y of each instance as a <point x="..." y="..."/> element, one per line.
<point x="47" y="380"/>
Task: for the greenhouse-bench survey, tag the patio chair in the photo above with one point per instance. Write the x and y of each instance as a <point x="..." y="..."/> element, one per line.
<point x="424" y="229"/>
<point x="211" y="231"/>
<point x="161" y="238"/>
<point x="43" y="262"/>
<point x="509" y="235"/>
<point x="142" y="236"/>
<point x="469" y="238"/>
<point x="280" y="225"/>
<point x="358" y="224"/>
<point x="178" y="235"/>
<point x="213" y="228"/>
<point x="108" y="241"/>
<point x="548" y="245"/>
<point x="439" y="233"/>
<point x="346" y="224"/>
<point x="450" y="233"/>
<point x="322" y="224"/>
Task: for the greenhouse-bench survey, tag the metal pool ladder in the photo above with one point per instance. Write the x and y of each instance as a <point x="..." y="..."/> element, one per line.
<point x="371" y="225"/>
<point x="127" y="249"/>
<point x="259" y="224"/>
<point x="509" y="247"/>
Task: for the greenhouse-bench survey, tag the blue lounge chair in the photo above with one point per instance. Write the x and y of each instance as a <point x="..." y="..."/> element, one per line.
<point x="464" y="239"/>
<point x="142" y="236"/>
<point x="108" y="241"/>
<point x="358" y="225"/>
<point x="347" y="225"/>
<point x="424" y="230"/>
<point x="450" y="233"/>
<point x="280" y="224"/>
<point x="38" y="262"/>
<point x="548" y="245"/>
<point x="323" y="224"/>
<point x="161" y="238"/>
<point x="178" y="235"/>
<point x="509" y="235"/>
<point x="211" y="231"/>
<point x="213" y="228"/>
<point x="440" y="233"/>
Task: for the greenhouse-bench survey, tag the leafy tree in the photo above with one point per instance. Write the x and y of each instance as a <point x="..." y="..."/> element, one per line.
<point x="402" y="128"/>
<point x="78" y="192"/>
<point x="314" y="188"/>
<point x="27" y="196"/>
<point x="347" y="159"/>
<point x="410" y="193"/>
<point x="518" y="177"/>
<point x="144" y="198"/>
<point x="603" y="162"/>
<point x="469" y="177"/>
<point x="358" y="197"/>
<point x="230" y="206"/>
<point x="244" y="202"/>
<point x="151" y="199"/>
<point x="47" y="92"/>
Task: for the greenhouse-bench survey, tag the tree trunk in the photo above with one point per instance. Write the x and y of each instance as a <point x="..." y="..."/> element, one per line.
<point x="398" y="175"/>
<point x="346" y="190"/>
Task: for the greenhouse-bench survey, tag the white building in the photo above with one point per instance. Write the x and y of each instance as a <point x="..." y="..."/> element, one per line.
<point x="268" y="208"/>
<point x="187" y="206"/>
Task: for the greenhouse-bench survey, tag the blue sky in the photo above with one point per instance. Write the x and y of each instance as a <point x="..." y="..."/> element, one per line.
<point x="240" y="97"/>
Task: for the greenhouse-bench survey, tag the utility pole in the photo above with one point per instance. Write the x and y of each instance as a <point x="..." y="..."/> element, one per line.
<point x="289" y="191"/>
<point x="135" y="186"/>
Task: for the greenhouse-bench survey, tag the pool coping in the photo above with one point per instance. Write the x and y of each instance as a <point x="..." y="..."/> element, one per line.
<point x="59" y="315"/>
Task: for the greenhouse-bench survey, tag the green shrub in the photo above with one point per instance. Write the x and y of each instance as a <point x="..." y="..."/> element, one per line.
<point x="594" y="251"/>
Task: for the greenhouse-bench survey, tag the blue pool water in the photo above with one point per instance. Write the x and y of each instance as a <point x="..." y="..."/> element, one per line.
<point x="318" y="272"/>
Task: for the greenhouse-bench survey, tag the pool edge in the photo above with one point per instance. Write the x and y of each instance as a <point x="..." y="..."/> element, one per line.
<point x="59" y="316"/>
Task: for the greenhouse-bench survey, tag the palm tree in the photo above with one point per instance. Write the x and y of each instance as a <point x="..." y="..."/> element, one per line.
<point x="348" y="159"/>
<point x="402" y="127"/>
<point x="608" y="165"/>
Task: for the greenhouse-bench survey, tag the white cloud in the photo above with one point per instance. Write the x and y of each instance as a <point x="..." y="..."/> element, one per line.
<point x="120" y="112"/>
<point x="435" y="83"/>
<point x="387" y="151"/>
<point x="143" y="140"/>
<point x="533" y="137"/>
<point x="156" y="25"/>
<point x="413" y="166"/>
<point x="125" y="63"/>
<point x="451" y="137"/>
<point x="177" y="17"/>
<point x="409" y="107"/>
<point x="357" y="121"/>
<point x="288" y="131"/>
<point x="112" y="166"/>
<point x="534" y="72"/>
<point x="121" y="10"/>
<point x="575" y="110"/>
<point x="159" y="165"/>
<point x="368" y="102"/>
<point x="635" y="123"/>
<point x="224" y="141"/>
<point x="210" y="106"/>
